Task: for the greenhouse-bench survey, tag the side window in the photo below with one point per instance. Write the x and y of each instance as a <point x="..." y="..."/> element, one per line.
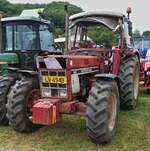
<point x="75" y="37"/>
<point x="9" y="38"/>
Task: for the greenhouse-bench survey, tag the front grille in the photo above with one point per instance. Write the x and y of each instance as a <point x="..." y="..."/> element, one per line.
<point x="53" y="89"/>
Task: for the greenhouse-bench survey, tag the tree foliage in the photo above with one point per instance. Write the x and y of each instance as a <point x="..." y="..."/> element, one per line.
<point x="136" y="33"/>
<point x="103" y="36"/>
<point x="146" y="34"/>
<point x="53" y="11"/>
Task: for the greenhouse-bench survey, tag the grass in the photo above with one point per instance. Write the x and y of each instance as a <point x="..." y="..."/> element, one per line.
<point x="70" y="134"/>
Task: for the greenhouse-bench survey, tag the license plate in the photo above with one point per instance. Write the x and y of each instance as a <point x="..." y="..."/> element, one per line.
<point x="148" y="73"/>
<point x="55" y="79"/>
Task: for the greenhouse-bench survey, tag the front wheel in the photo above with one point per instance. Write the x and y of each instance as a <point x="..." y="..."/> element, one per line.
<point x="148" y="84"/>
<point x="19" y="107"/>
<point x="102" y="111"/>
<point x="5" y="84"/>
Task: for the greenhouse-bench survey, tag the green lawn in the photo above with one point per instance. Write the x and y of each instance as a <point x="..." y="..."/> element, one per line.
<point x="70" y="134"/>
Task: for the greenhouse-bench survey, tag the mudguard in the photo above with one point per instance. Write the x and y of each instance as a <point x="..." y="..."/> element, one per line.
<point x="27" y="72"/>
<point x="107" y="76"/>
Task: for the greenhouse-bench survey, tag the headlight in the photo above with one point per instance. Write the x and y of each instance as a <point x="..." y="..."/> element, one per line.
<point x="46" y="93"/>
<point x="63" y="93"/>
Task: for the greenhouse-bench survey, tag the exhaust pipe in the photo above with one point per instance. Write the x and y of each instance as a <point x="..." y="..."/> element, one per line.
<point x="66" y="30"/>
<point x="0" y="32"/>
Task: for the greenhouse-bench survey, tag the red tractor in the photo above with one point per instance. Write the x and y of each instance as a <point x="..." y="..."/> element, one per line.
<point x="93" y="82"/>
<point x="145" y="74"/>
<point x="143" y="45"/>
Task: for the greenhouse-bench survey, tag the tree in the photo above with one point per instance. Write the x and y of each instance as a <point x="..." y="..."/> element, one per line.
<point x="136" y="33"/>
<point x="59" y="32"/>
<point x="55" y="11"/>
<point x="146" y="34"/>
<point x="103" y="36"/>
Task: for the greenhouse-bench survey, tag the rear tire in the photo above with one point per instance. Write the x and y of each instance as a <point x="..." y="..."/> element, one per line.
<point x="129" y="82"/>
<point x="148" y="84"/>
<point x="5" y="83"/>
<point x="17" y="106"/>
<point x="102" y="112"/>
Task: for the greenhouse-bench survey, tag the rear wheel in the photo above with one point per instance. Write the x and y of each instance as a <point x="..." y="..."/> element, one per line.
<point x="102" y="111"/>
<point x="19" y="107"/>
<point x="129" y="82"/>
<point x="148" y="84"/>
<point x="5" y="83"/>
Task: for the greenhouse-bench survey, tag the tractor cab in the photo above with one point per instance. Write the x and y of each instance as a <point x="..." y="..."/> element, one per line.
<point x="23" y="38"/>
<point x="82" y="24"/>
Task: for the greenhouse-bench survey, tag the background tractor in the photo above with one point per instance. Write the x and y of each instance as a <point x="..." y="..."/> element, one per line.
<point x="22" y="38"/>
<point x="143" y="46"/>
<point x="85" y="80"/>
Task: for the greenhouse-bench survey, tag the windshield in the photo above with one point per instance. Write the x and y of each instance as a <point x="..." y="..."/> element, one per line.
<point x="27" y="37"/>
<point x="46" y="38"/>
<point x="92" y="37"/>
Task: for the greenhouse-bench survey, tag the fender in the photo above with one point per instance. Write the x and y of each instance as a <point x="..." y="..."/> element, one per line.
<point x="12" y="69"/>
<point x="23" y="72"/>
<point x="28" y="72"/>
<point x="107" y="77"/>
<point x="133" y="53"/>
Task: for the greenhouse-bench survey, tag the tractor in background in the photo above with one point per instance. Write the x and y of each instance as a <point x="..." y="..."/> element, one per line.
<point x="143" y="46"/>
<point x="93" y="82"/>
<point x="22" y="38"/>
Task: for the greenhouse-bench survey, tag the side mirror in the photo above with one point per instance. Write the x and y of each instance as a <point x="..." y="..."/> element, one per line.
<point x="51" y="27"/>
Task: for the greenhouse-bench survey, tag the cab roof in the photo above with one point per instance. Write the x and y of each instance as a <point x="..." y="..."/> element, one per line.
<point x="106" y="18"/>
<point x="96" y="13"/>
<point x="25" y="18"/>
<point x="28" y="15"/>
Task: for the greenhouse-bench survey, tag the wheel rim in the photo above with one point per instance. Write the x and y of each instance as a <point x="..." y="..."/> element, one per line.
<point x="31" y="99"/>
<point x="112" y="112"/>
<point x="136" y="83"/>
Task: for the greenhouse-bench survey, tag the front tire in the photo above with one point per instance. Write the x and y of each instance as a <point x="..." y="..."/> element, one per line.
<point x="102" y="111"/>
<point x="148" y="84"/>
<point x="5" y="83"/>
<point x="18" y="111"/>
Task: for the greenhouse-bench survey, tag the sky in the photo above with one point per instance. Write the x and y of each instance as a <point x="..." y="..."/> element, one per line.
<point x="140" y="8"/>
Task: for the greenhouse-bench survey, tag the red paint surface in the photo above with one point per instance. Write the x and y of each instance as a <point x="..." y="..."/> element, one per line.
<point x="46" y="112"/>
